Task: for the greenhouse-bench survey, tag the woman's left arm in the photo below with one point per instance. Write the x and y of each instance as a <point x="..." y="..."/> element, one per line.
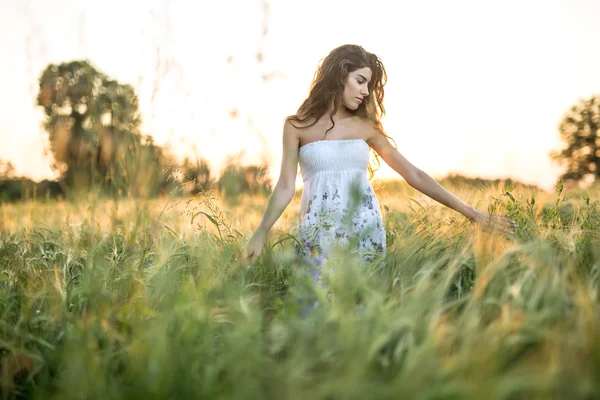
<point x="428" y="186"/>
<point x="425" y="184"/>
<point x="417" y="178"/>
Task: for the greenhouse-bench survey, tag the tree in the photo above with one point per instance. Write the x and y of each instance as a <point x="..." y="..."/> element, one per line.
<point x="93" y="126"/>
<point x="7" y="170"/>
<point x="14" y="188"/>
<point x="580" y="130"/>
<point x="237" y="179"/>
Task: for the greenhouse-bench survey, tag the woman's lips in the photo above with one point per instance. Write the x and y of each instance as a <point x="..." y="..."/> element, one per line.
<point x="359" y="100"/>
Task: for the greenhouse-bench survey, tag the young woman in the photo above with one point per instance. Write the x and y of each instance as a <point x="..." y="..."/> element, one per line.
<point x="331" y="136"/>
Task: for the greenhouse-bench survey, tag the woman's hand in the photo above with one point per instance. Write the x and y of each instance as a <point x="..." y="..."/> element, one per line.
<point x="493" y="222"/>
<point x="252" y="250"/>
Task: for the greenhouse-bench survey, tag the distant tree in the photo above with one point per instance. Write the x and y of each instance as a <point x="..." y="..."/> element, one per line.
<point x="580" y="130"/>
<point x="21" y="188"/>
<point x="457" y="180"/>
<point x="196" y="175"/>
<point x="93" y="123"/>
<point x="237" y="179"/>
<point x="15" y="188"/>
<point x="257" y="179"/>
<point x="7" y="170"/>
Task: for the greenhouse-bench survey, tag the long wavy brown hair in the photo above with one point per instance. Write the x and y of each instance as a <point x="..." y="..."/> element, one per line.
<point x="328" y="84"/>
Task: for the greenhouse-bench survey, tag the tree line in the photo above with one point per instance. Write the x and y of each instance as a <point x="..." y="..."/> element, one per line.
<point x="93" y="126"/>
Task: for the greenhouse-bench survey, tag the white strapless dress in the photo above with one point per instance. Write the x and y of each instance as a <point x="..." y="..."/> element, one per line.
<point x="338" y="207"/>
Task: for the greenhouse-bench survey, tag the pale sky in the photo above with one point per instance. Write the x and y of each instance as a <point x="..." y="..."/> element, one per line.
<point x="475" y="87"/>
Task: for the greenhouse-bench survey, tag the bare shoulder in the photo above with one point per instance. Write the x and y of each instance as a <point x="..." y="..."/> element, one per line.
<point x="376" y="139"/>
<point x="288" y="126"/>
<point x="300" y="129"/>
<point x="368" y="129"/>
<point x="290" y="132"/>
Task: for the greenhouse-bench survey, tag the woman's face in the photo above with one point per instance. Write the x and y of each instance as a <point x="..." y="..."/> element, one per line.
<point x="355" y="89"/>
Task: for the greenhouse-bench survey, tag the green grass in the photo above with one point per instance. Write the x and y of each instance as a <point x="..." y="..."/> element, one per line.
<point x="143" y="299"/>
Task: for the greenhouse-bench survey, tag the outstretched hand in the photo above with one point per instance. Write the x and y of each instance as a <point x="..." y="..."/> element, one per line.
<point x="252" y="250"/>
<point x="500" y="223"/>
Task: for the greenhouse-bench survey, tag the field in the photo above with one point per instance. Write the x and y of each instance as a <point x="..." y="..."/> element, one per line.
<point x="143" y="299"/>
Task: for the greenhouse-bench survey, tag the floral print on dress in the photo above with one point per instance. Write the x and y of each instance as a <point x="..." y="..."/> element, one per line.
<point x="328" y="226"/>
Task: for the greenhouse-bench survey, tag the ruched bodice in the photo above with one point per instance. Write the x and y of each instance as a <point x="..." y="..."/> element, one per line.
<point x="338" y="204"/>
<point x="333" y="155"/>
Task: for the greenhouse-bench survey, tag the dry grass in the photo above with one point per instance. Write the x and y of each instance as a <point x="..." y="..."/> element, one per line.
<point x="142" y="299"/>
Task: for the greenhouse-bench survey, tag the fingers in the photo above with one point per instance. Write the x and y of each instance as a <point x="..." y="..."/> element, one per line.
<point x="246" y="259"/>
<point x="505" y="220"/>
<point x="240" y="256"/>
<point x="508" y="222"/>
<point x="495" y="223"/>
<point x="503" y="227"/>
<point x="249" y="262"/>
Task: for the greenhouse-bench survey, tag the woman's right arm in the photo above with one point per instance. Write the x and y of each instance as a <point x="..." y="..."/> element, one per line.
<point x="282" y="193"/>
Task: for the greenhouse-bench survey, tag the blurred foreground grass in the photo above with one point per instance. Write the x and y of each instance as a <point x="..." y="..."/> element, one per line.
<point x="142" y="299"/>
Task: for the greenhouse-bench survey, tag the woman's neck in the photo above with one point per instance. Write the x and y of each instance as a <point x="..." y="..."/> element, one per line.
<point x="342" y="113"/>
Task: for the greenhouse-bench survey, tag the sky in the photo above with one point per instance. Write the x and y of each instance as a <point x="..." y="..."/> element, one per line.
<point x="474" y="87"/>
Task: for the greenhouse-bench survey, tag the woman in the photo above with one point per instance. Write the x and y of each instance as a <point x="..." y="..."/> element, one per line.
<point x="330" y="137"/>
